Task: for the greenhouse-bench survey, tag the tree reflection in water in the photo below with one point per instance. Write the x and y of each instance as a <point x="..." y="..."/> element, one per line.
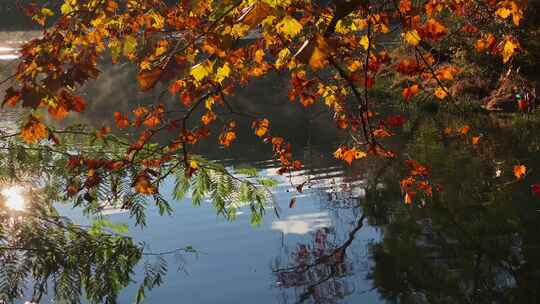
<point x="319" y="267"/>
<point x="474" y="242"/>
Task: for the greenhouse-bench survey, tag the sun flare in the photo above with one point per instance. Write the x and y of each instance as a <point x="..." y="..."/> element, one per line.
<point x="14" y="198"/>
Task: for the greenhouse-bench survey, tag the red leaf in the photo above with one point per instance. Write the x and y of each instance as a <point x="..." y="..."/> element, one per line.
<point x="535" y="188"/>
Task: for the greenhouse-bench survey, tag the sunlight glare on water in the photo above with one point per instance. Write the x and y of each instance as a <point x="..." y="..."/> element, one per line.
<point x="14" y="198"/>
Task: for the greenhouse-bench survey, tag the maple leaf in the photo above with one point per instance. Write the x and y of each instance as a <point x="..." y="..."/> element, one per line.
<point x="349" y="156"/>
<point x="412" y="37"/>
<point x="464" y="130"/>
<point x="121" y="120"/>
<point x="208" y="118"/>
<point x="148" y="79"/>
<point x="446" y="73"/>
<point x="381" y="132"/>
<point x="289" y="27"/>
<point x="202" y="70"/>
<point x="130" y="46"/>
<point x="227" y="138"/>
<point x="314" y="52"/>
<point x="34" y="131"/>
<point x="475" y="140"/>
<point x="510" y="46"/>
<point x="503" y="12"/>
<point x="535" y="189"/>
<point x="12" y="97"/>
<point x="58" y="112"/>
<point x="144" y="186"/>
<point x="223" y="72"/>
<point x="440" y="93"/>
<point x="78" y="104"/>
<point x="261" y="127"/>
<point x="409" y="92"/>
<point x="405" y="6"/>
<point x="488" y="42"/>
<point x="519" y="171"/>
<point x="364" y="41"/>
<point x="433" y="29"/>
<point x="255" y="13"/>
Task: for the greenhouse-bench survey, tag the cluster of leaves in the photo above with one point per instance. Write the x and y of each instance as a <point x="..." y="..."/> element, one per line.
<point x="42" y="251"/>
<point x="201" y="52"/>
<point x="204" y="50"/>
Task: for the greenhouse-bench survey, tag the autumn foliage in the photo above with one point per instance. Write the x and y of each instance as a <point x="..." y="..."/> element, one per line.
<point x="201" y="52"/>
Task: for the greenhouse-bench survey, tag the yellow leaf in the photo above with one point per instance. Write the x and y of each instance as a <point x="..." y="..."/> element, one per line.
<point x="209" y="103"/>
<point x="364" y="41"/>
<point x="289" y="27"/>
<point x="239" y="30"/>
<point x="66" y="8"/>
<point x="360" y="154"/>
<point x="259" y="56"/>
<point x="193" y="164"/>
<point x="282" y="57"/>
<point x="223" y="72"/>
<point x="130" y="45"/>
<point x="47" y="12"/>
<point x="159" y="21"/>
<point x="412" y="37"/>
<point x="509" y="48"/>
<point x="278" y="3"/>
<point x="202" y="70"/>
<point x="262" y="127"/>
<point x="503" y="12"/>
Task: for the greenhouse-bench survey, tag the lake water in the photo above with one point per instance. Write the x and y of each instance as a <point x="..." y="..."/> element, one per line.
<point x="349" y="237"/>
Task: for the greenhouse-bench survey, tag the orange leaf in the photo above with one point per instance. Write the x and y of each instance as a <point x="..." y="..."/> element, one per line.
<point x="262" y="127"/>
<point x="12" y="97"/>
<point x="33" y="131"/>
<point x="510" y="46"/>
<point x="405" y="6"/>
<point x="410" y="92"/>
<point x="227" y="138"/>
<point x="144" y="186"/>
<point x="349" y="156"/>
<point x="464" y="130"/>
<point x="475" y="140"/>
<point x="441" y="93"/>
<point x="58" y="112"/>
<point x="148" y="79"/>
<point x="121" y="120"/>
<point x="519" y="171"/>
<point x="254" y="14"/>
<point x="208" y="118"/>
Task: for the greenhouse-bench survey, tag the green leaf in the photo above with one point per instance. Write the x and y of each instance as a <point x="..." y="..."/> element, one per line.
<point x="249" y="171"/>
<point x="268" y="182"/>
